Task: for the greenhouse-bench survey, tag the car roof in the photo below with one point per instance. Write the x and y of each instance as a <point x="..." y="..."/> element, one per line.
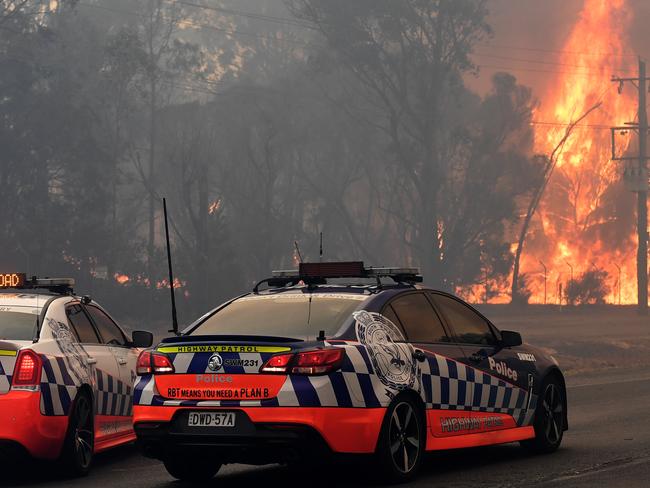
<point x="26" y="299"/>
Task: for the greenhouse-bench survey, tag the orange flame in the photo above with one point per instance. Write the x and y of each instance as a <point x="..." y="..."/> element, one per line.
<point x="577" y="227"/>
<point x="122" y="278"/>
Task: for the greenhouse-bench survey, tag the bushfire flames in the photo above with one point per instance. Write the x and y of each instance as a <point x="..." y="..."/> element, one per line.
<point x="585" y="219"/>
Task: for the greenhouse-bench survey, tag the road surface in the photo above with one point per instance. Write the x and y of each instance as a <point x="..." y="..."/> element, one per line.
<point x="608" y="444"/>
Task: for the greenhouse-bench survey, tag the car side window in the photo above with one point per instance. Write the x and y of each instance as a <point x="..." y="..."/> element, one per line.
<point x="389" y="313"/>
<point x="110" y="332"/>
<point x="81" y="324"/>
<point x="419" y="319"/>
<point x="469" y="327"/>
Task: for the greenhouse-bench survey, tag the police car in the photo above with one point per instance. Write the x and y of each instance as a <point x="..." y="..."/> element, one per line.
<point x="66" y="373"/>
<point x="321" y="361"/>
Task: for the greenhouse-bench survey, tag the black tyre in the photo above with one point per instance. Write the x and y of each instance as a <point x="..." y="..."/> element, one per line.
<point x="193" y="469"/>
<point x="401" y="442"/>
<point x="549" y="418"/>
<point x="79" y="445"/>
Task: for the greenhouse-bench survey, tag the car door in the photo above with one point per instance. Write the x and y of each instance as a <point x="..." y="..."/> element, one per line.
<point x="505" y="381"/>
<point x="446" y="387"/>
<point x="105" y="366"/>
<point x="120" y="387"/>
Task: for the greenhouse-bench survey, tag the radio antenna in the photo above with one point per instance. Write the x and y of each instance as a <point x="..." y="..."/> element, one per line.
<point x="295" y="244"/>
<point x="171" y="273"/>
<point x="320" y="249"/>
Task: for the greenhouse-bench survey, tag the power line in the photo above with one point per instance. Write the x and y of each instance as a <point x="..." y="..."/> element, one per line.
<point x="536" y="61"/>
<point x="556" y="51"/>
<point x="593" y="74"/>
<point x="251" y="15"/>
<point x="203" y="26"/>
<point x="561" y="124"/>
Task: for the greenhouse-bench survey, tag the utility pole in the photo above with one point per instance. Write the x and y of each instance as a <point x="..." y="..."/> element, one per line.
<point x="636" y="178"/>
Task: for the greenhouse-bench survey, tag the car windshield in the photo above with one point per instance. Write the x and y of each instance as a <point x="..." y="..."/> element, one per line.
<point x="18" y="323"/>
<point x="294" y="315"/>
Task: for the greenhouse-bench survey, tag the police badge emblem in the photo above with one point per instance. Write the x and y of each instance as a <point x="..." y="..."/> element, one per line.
<point x="391" y="356"/>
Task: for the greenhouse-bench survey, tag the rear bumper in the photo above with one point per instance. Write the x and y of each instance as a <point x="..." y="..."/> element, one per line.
<point x="22" y="424"/>
<point x="270" y="434"/>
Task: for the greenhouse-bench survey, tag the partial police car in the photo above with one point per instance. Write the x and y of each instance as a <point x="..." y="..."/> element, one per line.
<point x="308" y="367"/>
<point x="66" y="373"/>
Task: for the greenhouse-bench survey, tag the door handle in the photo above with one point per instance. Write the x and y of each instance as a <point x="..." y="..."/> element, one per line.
<point x="419" y="355"/>
<point x="91" y="360"/>
<point x="122" y="361"/>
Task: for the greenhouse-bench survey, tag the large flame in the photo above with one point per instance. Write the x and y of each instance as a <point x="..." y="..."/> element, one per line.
<point x="581" y="224"/>
<point x="585" y="220"/>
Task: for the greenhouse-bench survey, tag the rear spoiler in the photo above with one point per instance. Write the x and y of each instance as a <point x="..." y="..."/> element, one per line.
<point x="246" y="339"/>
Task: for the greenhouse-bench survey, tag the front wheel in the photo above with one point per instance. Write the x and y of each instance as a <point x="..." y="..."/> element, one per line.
<point x="190" y="468"/>
<point x="79" y="443"/>
<point x="549" y="419"/>
<point x="401" y="442"/>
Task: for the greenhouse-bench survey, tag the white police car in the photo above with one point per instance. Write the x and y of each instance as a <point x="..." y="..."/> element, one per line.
<point x="66" y="373"/>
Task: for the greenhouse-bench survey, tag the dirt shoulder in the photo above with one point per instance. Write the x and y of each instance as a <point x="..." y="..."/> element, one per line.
<point x="582" y="339"/>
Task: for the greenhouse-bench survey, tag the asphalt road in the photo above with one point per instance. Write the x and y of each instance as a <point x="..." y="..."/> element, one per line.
<point x="608" y="444"/>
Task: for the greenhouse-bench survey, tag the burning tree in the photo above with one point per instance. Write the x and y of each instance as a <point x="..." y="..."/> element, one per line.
<point x="582" y="218"/>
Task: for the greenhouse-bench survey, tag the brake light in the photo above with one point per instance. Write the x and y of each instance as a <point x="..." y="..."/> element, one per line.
<point x="153" y="363"/>
<point x="320" y="361"/>
<point x="277" y="364"/>
<point x="28" y="369"/>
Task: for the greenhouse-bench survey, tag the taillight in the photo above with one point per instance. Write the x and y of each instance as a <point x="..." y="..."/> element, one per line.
<point x="277" y="364"/>
<point x="153" y="363"/>
<point x="320" y="361"/>
<point x="28" y="369"/>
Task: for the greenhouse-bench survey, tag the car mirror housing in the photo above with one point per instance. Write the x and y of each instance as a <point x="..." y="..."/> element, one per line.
<point x="142" y="338"/>
<point x="510" y="338"/>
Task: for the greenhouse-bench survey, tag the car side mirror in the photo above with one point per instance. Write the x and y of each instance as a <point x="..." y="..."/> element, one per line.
<point x="510" y="338"/>
<point x="142" y="339"/>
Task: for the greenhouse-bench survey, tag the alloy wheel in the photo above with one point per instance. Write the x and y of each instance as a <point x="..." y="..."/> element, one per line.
<point x="552" y="409"/>
<point x="404" y="437"/>
<point x="83" y="432"/>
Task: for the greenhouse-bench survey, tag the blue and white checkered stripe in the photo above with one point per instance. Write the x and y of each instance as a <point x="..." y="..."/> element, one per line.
<point x="58" y="390"/>
<point x="113" y="396"/>
<point x="7" y="364"/>
<point x="446" y="384"/>
<point x="451" y="385"/>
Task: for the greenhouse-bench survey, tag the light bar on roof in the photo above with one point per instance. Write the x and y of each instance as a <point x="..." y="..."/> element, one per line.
<point x="352" y="269"/>
<point x="392" y="271"/>
<point x="285" y="273"/>
<point x="51" y="282"/>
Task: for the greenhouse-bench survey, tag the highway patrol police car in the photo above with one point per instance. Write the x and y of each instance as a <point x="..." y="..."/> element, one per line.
<point x="66" y="373"/>
<point x="307" y="366"/>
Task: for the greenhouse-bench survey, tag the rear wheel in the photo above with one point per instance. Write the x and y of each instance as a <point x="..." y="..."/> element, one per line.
<point x="401" y="442"/>
<point x="549" y="419"/>
<point x="194" y="469"/>
<point x="79" y="446"/>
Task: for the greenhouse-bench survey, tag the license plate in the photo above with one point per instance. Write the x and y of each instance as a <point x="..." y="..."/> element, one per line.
<point x="211" y="419"/>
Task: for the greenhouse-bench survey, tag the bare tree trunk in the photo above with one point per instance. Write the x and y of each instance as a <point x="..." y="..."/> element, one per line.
<point x="537" y="196"/>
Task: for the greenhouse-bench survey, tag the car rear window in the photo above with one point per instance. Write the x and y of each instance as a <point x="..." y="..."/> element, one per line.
<point x="17" y="323"/>
<point x="293" y="315"/>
